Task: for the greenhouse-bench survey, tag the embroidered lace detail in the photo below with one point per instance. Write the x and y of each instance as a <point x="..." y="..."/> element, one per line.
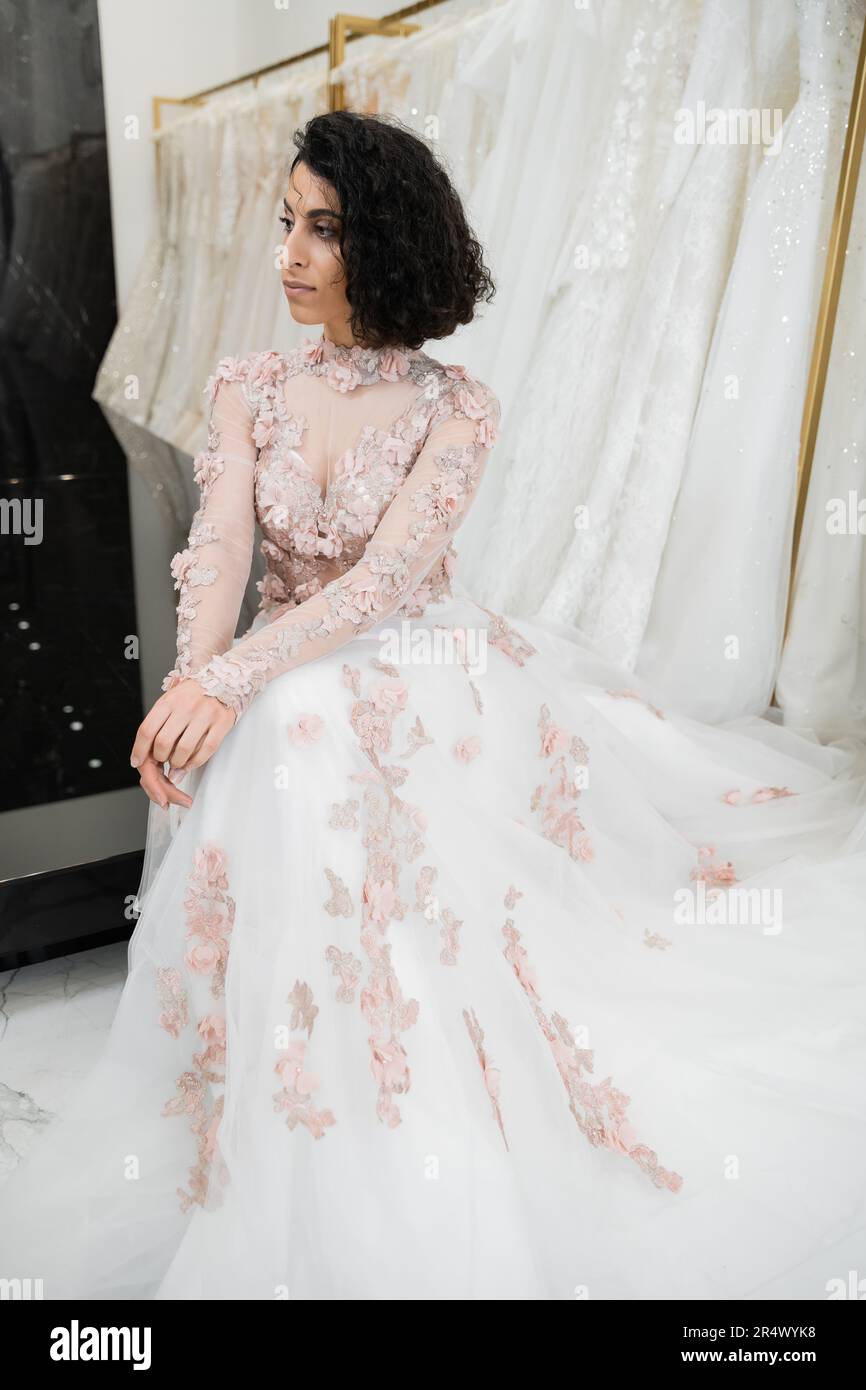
<point x="210" y="913"/>
<point x="417" y="738"/>
<point x="347" y="969"/>
<point x="304" y="1011"/>
<point x="392" y="836"/>
<point x="385" y="667"/>
<point x="340" y="902"/>
<point x="295" y="1097"/>
<point x="735" y="797"/>
<point x="372" y="719"/>
<point x="305" y="528"/>
<point x="489" y="1073"/>
<point x="355" y="602"/>
<point x="344" y="368"/>
<point x="507" y="639"/>
<point x="173" y="998"/>
<point x="427" y="902"/>
<point x="387" y="1013"/>
<point x="466" y="750"/>
<point x="211" y="572"/>
<point x="717" y="875"/>
<point x="653" y="939"/>
<point x="599" y="1110"/>
<point x="635" y="695"/>
<point x="308" y="729"/>
<point x="194" y="1099"/>
<point x="352" y="678"/>
<point x="386" y="521"/>
<point x="344" y="815"/>
<point x="557" y="801"/>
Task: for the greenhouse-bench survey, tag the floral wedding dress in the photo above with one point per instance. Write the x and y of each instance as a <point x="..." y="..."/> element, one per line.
<point x="472" y="972"/>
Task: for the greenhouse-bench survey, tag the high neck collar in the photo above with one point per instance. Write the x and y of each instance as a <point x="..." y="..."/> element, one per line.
<point x="347" y="367"/>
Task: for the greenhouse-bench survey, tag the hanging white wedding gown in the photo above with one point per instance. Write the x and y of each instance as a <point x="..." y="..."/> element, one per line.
<point x="557" y="444"/>
<point x="444" y="987"/>
<point x="638" y="499"/>
<point x="714" y="635"/>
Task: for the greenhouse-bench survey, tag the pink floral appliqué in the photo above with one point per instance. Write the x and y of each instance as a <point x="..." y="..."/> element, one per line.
<point x="343" y="376"/>
<point x="636" y="695"/>
<point x="308" y="729"/>
<point x="393" y="364"/>
<point x="428" y="903"/>
<point x="490" y="1074"/>
<point x="173" y="997"/>
<point x="655" y="940"/>
<point x="716" y="874"/>
<point x="599" y="1109"/>
<point x="467" y="748"/>
<point x="210" y="915"/>
<point x="507" y="639"/>
<point x="557" y="800"/>
<point x="393" y="833"/>
<point x="416" y="738"/>
<point x="340" y="902"/>
<point x="347" y="969"/>
<point x="295" y="1097"/>
<point x="210" y="912"/>
<point x="344" y="814"/>
<point x="735" y="797"/>
<point x="389" y="697"/>
<point x="209" y="1174"/>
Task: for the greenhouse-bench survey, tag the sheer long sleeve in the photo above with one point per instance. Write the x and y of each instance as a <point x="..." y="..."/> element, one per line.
<point x="413" y="534"/>
<point x="212" y="572"/>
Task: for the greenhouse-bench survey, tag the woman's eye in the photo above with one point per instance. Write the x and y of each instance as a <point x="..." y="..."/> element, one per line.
<point x="324" y="229"/>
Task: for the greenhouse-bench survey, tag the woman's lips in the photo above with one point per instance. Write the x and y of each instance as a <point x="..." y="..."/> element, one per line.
<point x="298" y="290"/>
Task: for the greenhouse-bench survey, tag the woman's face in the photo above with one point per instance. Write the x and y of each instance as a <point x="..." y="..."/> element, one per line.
<point x="310" y="255"/>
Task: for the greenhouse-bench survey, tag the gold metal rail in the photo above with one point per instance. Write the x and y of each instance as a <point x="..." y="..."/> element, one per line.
<point x="829" y="304"/>
<point x="350" y="27"/>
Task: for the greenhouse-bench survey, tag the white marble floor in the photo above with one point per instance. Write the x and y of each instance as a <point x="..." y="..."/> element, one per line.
<point x="54" y="1018"/>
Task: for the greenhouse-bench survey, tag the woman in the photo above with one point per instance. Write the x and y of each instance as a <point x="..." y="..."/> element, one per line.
<point x="469" y="972"/>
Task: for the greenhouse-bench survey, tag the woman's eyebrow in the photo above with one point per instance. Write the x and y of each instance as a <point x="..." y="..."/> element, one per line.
<point x="316" y="212"/>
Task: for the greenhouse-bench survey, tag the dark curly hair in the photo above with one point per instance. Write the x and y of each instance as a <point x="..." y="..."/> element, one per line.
<point x="414" y="269"/>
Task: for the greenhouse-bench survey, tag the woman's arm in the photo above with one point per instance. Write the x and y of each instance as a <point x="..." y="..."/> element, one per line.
<point x="413" y="534"/>
<point x="212" y="572"/>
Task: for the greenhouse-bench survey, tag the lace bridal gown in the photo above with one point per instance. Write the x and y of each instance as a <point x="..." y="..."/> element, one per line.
<point x="439" y="990"/>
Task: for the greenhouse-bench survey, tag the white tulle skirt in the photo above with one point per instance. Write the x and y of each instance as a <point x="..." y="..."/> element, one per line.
<point x="472" y="973"/>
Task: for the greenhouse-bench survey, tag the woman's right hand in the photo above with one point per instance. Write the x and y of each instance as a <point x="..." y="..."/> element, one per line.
<point x="184" y="728"/>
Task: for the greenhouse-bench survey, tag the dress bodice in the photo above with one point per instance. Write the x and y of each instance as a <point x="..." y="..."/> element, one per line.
<point x="358" y="464"/>
<point x="338" y="430"/>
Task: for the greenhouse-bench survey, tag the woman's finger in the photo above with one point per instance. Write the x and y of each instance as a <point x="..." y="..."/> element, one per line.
<point x="148" y="729"/>
<point x="208" y="745"/>
<point x="191" y="739"/>
<point x="159" y="788"/>
<point x="222" y="721"/>
<point x="170" y="733"/>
